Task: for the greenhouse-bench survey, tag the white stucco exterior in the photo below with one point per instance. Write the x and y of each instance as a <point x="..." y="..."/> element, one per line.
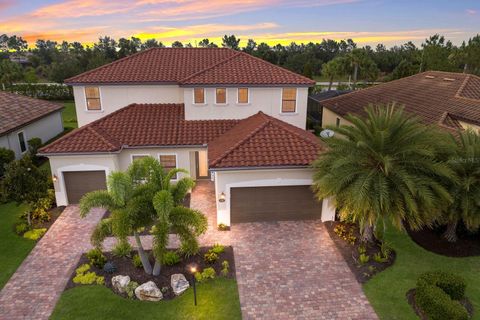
<point x="267" y="100"/>
<point x="114" y="97"/>
<point x="225" y="180"/>
<point x="45" y="128"/>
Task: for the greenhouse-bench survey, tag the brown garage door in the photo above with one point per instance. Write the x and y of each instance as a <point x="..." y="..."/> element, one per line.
<point x="77" y="183"/>
<point x="273" y="203"/>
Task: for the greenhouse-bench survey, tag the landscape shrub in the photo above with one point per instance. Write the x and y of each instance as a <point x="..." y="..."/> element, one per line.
<point x="378" y="257"/>
<point x="122" y="249"/>
<point x="84" y="277"/>
<point x="437" y="295"/>
<point x="39" y="210"/>
<point x="386" y="249"/>
<point x="210" y="257"/>
<point x="21" y="228"/>
<point x="96" y="258"/>
<point x="109" y="267"/>
<point x="225" y="268"/>
<point x="130" y="289"/>
<point x="170" y="258"/>
<point x="206" y="274"/>
<point x="137" y="262"/>
<point x="44" y="91"/>
<point x="345" y="233"/>
<point x="222" y="227"/>
<point x="33" y="145"/>
<point x="35" y="234"/>
<point x="363" y="258"/>
<point x="6" y="156"/>
<point x="217" y="248"/>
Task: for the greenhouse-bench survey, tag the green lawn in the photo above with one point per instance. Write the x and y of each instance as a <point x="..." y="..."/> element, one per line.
<point x="69" y="115"/>
<point x="386" y="291"/>
<point x="13" y="248"/>
<point x="217" y="299"/>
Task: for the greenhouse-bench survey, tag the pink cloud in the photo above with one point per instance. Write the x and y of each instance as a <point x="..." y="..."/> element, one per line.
<point x="471" y="12"/>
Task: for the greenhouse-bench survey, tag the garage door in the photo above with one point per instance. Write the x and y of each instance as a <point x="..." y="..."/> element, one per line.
<point x="77" y="183"/>
<point x="273" y="203"/>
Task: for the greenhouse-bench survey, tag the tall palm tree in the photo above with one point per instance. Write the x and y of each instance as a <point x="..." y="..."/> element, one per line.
<point x="465" y="193"/>
<point x="332" y="69"/>
<point x="129" y="198"/>
<point x="384" y="166"/>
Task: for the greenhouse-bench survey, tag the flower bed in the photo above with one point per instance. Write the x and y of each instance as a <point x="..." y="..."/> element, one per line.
<point x="364" y="260"/>
<point x="125" y="266"/>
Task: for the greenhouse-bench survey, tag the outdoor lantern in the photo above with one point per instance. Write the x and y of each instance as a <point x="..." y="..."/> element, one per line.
<point x="221" y="198"/>
<point x="193" y="269"/>
<point x="54" y="178"/>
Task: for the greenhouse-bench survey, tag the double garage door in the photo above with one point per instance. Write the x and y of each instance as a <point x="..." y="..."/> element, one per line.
<point x="77" y="183"/>
<point x="253" y="204"/>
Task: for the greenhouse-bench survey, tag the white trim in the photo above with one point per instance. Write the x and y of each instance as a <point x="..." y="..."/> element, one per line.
<point x="176" y="160"/>
<point x="248" y="97"/>
<point x="86" y="101"/>
<point x="204" y="97"/>
<point x="138" y="155"/>
<point x="77" y="167"/>
<point x="25" y="140"/>
<point x="226" y="96"/>
<point x="281" y="102"/>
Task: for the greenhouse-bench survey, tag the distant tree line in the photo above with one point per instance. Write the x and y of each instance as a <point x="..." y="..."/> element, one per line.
<point x="54" y="62"/>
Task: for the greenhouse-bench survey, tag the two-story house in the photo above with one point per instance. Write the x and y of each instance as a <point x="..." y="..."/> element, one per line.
<point x="218" y="113"/>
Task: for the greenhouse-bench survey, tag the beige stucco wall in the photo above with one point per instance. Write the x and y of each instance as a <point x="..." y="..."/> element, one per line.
<point x="268" y="100"/>
<point x="466" y="125"/>
<point x="225" y="180"/>
<point x="329" y="118"/>
<point x="114" y="97"/>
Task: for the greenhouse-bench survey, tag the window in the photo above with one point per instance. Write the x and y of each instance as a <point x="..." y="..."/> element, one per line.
<point x="138" y="156"/>
<point x="21" y="141"/>
<point x="92" y="95"/>
<point x="338" y="122"/>
<point x="221" y="96"/>
<point x="242" y="95"/>
<point x="169" y="162"/>
<point x="199" y="95"/>
<point x="289" y="100"/>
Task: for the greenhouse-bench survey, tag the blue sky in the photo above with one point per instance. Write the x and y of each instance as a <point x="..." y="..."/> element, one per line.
<point x="366" y="21"/>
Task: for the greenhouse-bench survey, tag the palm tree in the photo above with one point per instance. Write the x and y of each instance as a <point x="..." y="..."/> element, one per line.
<point x="332" y="69"/>
<point x="384" y="166"/>
<point x="129" y="198"/>
<point x="465" y="193"/>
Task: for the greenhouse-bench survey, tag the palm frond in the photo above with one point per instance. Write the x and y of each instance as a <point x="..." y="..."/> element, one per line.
<point x="100" y="198"/>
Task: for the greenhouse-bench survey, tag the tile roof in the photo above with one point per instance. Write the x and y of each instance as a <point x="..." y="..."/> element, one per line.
<point x="191" y="66"/>
<point x="263" y="141"/>
<point x="436" y="97"/>
<point x="139" y="125"/>
<point x="17" y="111"/>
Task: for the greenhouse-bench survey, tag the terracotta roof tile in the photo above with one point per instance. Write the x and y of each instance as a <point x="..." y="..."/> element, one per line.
<point x="17" y="110"/>
<point x="430" y="95"/>
<point x="263" y="141"/>
<point x="197" y="65"/>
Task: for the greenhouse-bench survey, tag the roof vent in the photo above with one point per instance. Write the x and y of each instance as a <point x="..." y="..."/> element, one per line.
<point x="448" y="79"/>
<point x="430" y="77"/>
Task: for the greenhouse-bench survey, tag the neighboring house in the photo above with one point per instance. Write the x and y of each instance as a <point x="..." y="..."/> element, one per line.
<point x="314" y="107"/>
<point x="449" y="100"/>
<point x="23" y="118"/>
<point x="218" y="113"/>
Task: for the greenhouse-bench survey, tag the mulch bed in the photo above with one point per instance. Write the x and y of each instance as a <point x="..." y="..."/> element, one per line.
<point x="350" y="253"/>
<point x="419" y="312"/>
<point x="125" y="267"/>
<point x="467" y="245"/>
<point x="55" y="212"/>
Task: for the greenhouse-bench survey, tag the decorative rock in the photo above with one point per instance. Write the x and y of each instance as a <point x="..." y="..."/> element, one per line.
<point x="120" y="283"/>
<point x="149" y="292"/>
<point x="179" y="283"/>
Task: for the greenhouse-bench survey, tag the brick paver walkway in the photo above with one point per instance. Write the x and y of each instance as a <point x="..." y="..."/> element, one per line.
<point x="33" y="290"/>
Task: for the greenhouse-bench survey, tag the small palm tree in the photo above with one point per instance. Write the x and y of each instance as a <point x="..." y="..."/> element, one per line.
<point x="332" y="69"/>
<point x="465" y="193"/>
<point x="384" y="166"/>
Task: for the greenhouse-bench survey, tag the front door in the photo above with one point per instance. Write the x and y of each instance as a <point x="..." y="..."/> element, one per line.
<point x="201" y="162"/>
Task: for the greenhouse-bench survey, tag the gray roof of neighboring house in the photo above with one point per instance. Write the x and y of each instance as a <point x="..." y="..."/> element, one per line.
<point x="17" y="111"/>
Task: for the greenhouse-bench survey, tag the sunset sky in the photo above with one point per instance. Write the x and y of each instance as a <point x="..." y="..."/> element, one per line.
<point x="273" y="21"/>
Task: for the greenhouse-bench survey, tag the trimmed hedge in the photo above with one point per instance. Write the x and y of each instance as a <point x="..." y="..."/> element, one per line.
<point x="437" y="294"/>
<point x="44" y="91"/>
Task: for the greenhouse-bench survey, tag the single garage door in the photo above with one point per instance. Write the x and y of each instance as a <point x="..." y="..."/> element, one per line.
<point x="273" y="203"/>
<point x="77" y="183"/>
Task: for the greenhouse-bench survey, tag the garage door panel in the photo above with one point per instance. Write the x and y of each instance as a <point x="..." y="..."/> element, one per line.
<point x="78" y="183"/>
<point x="273" y="203"/>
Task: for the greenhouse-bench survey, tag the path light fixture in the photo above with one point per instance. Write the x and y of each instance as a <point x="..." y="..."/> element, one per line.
<point x="221" y="197"/>
<point x="193" y="269"/>
<point x="54" y="178"/>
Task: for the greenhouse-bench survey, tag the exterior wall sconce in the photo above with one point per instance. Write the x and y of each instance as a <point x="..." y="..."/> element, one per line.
<point x="54" y="178"/>
<point x="221" y="198"/>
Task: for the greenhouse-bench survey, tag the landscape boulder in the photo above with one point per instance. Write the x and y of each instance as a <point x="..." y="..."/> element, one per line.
<point x="120" y="283"/>
<point x="148" y="292"/>
<point x="179" y="283"/>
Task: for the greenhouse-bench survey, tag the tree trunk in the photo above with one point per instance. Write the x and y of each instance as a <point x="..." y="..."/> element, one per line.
<point x="367" y="233"/>
<point x="465" y="68"/>
<point x="157" y="268"/>
<point x="330" y="83"/>
<point x="451" y="232"/>
<point x="147" y="266"/>
<point x="355" y="74"/>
